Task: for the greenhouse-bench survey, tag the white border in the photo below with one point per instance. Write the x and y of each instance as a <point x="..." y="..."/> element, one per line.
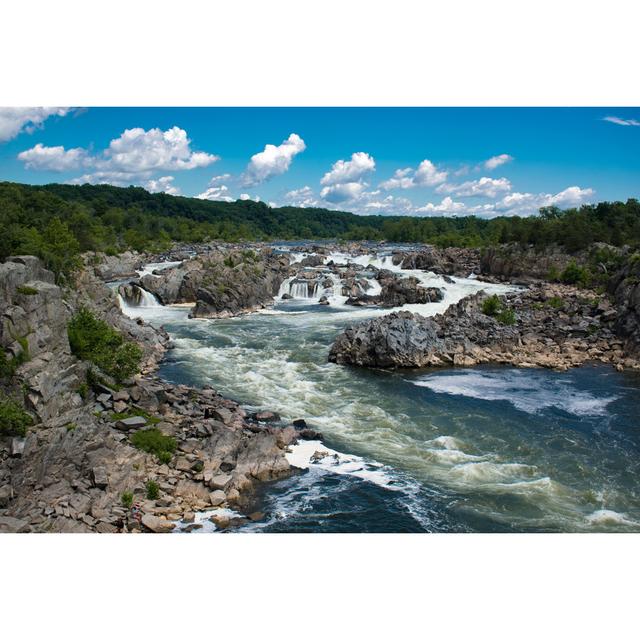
<point x="333" y="52"/>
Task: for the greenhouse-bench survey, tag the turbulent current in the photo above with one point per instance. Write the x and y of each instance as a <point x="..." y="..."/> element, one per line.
<point x="482" y="449"/>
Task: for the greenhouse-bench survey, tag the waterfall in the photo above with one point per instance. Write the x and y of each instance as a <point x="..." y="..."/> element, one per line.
<point x="141" y="298"/>
<point x="303" y="289"/>
<point x="147" y="299"/>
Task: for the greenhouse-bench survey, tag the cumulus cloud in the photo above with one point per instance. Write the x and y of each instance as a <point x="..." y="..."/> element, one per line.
<point x="446" y="207"/>
<point x="129" y="159"/>
<point x="497" y="161"/>
<point x="303" y="197"/>
<point x="138" y="151"/>
<point x="273" y="161"/>
<point x="528" y="203"/>
<point x="484" y="187"/>
<point x="622" y="121"/>
<point x="343" y="192"/>
<point x="426" y="175"/>
<point x="54" y="158"/>
<point x="15" y="120"/>
<point x="246" y="196"/>
<point x="162" y="185"/>
<point x="220" y="192"/>
<point x="349" y="171"/>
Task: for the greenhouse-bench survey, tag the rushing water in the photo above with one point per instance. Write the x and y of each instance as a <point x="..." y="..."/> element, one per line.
<point x="482" y="449"/>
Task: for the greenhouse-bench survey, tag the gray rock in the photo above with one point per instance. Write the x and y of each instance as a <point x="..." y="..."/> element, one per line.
<point x="100" y="477"/>
<point x="130" y="424"/>
<point x="217" y="497"/>
<point x="156" y="524"/>
<point x="6" y="494"/>
<point x="13" y="525"/>
<point x="220" y="481"/>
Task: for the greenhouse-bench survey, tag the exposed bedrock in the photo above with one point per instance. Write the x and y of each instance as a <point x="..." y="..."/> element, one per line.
<point x="554" y="326"/>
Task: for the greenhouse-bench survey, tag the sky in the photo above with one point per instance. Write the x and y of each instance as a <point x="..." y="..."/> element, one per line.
<point x="390" y="161"/>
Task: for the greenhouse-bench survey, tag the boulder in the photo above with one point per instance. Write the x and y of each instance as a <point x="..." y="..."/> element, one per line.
<point x="100" y="477"/>
<point x="217" y="497"/>
<point x="131" y="424"/>
<point x="220" y="481"/>
<point x="157" y="524"/>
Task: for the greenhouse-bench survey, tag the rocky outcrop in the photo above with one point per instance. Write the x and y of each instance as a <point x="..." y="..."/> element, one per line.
<point x="397" y="290"/>
<point x="124" y="265"/>
<point x="89" y="290"/>
<point x="555" y="326"/>
<point x="239" y="284"/>
<point x="33" y="331"/>
<point x="451" y="260"/>
<point x="73" y="470"/>
<point x="624" y="287"/>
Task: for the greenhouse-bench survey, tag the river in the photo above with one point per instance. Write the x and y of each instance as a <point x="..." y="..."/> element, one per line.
<point x="487" y="449"/>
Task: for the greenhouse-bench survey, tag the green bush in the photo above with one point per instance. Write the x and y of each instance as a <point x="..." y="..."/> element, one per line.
<point x="154" y="441"/>
<point x="573" y="274"/>
<point x="153" y="490"/>
<point x="491" y="306"/>
<point x="14" y="420"/>
<point x="127" y="499"/>
<point x="134" y="412"/>
<point x="94" y="340"/>
<point x="553" y="275"/>
<point x="506" y="316"/>
<point x="164" y="457"/>
<point x="27" y="291"/>
<point x="556" y="302"/>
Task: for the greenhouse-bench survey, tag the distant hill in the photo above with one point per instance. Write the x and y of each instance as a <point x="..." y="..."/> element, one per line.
<point x="57" y="222"/>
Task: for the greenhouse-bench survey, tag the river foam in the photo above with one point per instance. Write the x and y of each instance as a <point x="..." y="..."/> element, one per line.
<point x="527" y="390"/>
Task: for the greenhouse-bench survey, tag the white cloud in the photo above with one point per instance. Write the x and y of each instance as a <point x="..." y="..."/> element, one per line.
<point x="446" y="207"/>
<point x="484" y="187"/>
<point x="131" y="158"/>
<point x="116" y="178"/>
<point x="349" y="171"/>
<point x="54" y="158"/>
<point x="343" y="192"/>
<point x="246" y="196"/>
<point x="15" y="120"/>
<point x="273" y="161"/>
<point x="426" y="175"/>
<point x="303" y="197"/>
<point x="528" y="203"/>
<point x="389" y="205"/>
<point x="216" y="180"/>
<point x="138" y="151"/>
<point x="162" y="185"/>
<point x="218" y="192"/>
<point x="497" y="161"/>
<point x="622" y="121"/>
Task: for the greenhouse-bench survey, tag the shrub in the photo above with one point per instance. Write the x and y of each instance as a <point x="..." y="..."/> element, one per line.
<point x="573" y="274"/>
<point x="506" y="316"/>
<point x="164" y="457"/>
<point x="27" y="291"/>
<point x="553" y="275"/>
<point x="153" y="490"/>
<point x="83" y="390"/>
<point x="127" y="499"/>
<point x="14" y="420"/>
<point x="154" y="441"/>
<point x="491" y="306"/>
<point x="72" y="426"/>
<point x="94" y="340"/>
<point x="555" y="302"/>
<point x="134" y="412"/>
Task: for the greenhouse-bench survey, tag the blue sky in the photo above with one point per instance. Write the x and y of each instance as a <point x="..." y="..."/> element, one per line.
<point x="411" y="161"/>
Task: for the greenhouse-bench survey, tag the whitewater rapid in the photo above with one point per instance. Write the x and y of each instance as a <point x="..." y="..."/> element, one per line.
<point x="481" y="449"/>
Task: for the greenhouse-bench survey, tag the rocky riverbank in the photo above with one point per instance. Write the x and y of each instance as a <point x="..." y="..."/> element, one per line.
<point x="94" y="450"/>
<point x="548" y="325"/>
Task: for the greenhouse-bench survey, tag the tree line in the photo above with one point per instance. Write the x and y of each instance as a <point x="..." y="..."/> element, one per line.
<point x="59" y="222"/>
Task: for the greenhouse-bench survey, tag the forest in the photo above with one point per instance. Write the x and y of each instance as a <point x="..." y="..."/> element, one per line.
<point x="59" y="222"/>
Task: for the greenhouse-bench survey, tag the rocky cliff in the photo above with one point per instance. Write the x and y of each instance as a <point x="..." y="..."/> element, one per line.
<point x="552" y="325"/>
